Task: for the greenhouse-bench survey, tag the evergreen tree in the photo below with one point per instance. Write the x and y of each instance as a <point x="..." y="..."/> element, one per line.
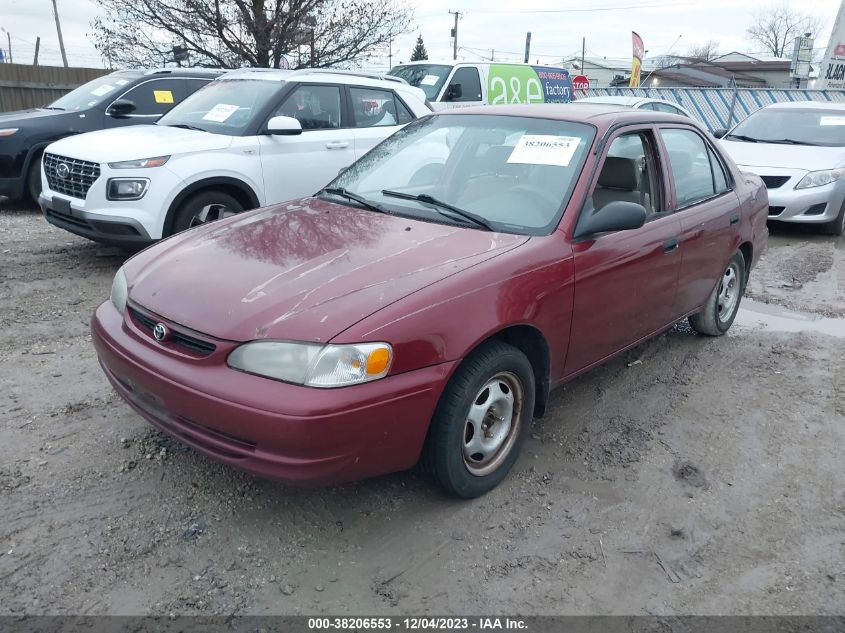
<point x="419" y="53"/>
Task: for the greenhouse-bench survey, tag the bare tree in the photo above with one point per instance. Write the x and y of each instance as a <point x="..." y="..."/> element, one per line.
<point x="704" y="52"/>
<point x="776" y="27"/>
<point x="238" y="33"/>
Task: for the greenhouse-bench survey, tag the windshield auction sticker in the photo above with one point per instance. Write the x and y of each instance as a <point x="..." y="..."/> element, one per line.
<point x="102" y="90"/>
<point x="430" y="80"/>
<point x="832" y="120"/>
<point x="220" y="112"/>
<point x="544" y="149"/>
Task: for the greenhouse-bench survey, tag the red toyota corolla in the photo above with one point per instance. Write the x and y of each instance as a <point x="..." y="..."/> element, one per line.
<point x="424" y="304"/>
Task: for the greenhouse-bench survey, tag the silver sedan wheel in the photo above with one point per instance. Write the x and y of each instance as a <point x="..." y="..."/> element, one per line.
<point x="493" y="423"/>
<point x="728" y="295"/>
<point x="209" y="213"/>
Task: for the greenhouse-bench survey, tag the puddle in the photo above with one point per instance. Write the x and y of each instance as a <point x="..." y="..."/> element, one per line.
<point x="775" y="318"/>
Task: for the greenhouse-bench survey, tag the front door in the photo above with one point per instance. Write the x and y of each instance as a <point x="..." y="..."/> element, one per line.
<point x="299" y="166"/>
<point x="625" y="282"/>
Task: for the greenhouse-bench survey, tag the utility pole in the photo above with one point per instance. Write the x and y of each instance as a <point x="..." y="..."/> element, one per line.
<point x="37" y="47"/>
<point x="457" y="15"/>
<point x="390" y="51"/>
<point x="527" y="45"/>
<point x="59" y="31"/>
<point x="492" y="54"/>
<point x="9" y="39"/>
<point x="583" y="52"/>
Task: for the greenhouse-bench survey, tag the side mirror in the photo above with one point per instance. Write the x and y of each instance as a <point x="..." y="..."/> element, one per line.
<point x="284" y="126"/>
<point x="720" y="132"/>
<point x="614" y="216"/>
<point x="121" y="108"/>
<point x="454" y="91"/>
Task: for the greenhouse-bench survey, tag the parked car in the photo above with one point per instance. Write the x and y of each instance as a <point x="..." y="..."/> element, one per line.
<point x="640" y="103"/>
<point x="425" y="316"/>
<point x="798" y="149"/>
<point x="251" y="138"/>
<point x="456" y="85"/>
<point x="125" y="97"/>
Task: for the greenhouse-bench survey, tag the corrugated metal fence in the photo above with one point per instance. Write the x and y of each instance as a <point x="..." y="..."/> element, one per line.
<point x="25" y="86"/>
<point x="713" y="106"/>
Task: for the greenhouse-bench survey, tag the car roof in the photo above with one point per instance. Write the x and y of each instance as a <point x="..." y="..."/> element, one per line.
<point x="599" y="114"/>
<point x="815" y="105"/>
<point x="211" y="73"/>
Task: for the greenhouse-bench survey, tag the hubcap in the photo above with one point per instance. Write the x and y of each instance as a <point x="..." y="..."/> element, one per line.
<point x="493" y="423"/>
<point x="209" y="213"/>
<point x="728" y="297"/>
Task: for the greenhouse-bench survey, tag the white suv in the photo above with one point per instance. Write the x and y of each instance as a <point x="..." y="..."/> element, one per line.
<point x="248" y="139"/>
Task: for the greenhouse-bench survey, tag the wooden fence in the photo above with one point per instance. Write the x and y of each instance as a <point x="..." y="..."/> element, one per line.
<point x="23" y="86"/>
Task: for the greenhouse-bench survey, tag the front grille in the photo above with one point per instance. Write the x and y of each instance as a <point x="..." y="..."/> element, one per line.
<point x="177" y="338"/>
<point x="79" y="175"/>
<point x="776" y="210"/>
<point x="774" y="182"/>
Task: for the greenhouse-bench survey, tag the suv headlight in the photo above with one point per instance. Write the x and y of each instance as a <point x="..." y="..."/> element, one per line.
<point x="820" y="178"/>
<point x="8" y="131"/>
<point x="313" y="364"/>
<point x="119" y="291"/>
<point x="140" y="163"/>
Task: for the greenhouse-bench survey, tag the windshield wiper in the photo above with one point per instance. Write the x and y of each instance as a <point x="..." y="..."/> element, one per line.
<point x="789" y="141"/>
<point x="52" y="108"/>
<point x="343" y="193"/>
<point x="185" y="126"/>
<point x="427" y="199"/>
<point x="742" y="137"/>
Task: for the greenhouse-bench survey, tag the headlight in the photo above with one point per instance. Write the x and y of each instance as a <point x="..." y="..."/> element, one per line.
<point x="8" y="131"/>
<point x="119" y="291"/>
<point x="126" y="188"/>
<point x="820" y="178"/>
<point x="312" y="364"/>
<point x="158" y="161"/>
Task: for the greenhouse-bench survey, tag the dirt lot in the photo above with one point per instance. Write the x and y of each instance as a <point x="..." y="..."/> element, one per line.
<point x="706" y="479"/>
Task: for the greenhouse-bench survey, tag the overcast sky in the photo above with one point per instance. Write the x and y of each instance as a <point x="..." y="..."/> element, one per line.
<point x="557" y="27"/>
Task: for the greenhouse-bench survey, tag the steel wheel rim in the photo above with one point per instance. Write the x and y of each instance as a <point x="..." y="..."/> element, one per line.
<point x="492" y="423"/>
<point x="210" y="213"/>
<point x="728" y="294"/>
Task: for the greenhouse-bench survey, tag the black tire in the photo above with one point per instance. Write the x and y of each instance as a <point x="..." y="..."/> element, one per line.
<point x="837" y="225"/>
<point x="505" y="368"/>
<point x="210" y="202"/>
<point x="716" y="318"/>
<point x="33" y="179"/>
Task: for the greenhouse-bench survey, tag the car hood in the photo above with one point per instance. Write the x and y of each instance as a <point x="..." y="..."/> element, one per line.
<point x="806" y="157"/>
<point x="20" y="117"/>
<point x="137" y="141"/>
<point x="305" y="270"/>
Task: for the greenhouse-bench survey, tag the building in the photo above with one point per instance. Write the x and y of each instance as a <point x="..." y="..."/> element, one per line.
<point x="740" y="69"/>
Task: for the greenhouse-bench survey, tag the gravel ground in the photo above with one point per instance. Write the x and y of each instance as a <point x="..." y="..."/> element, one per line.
<point x="704" y="479"/>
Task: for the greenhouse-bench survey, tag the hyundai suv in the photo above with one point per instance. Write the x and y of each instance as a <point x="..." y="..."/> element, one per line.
<point x="250" y="138"/>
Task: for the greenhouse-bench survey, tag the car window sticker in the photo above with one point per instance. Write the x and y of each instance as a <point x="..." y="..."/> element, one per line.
<point x="220" y="112"/>
<point x="102" y="90"/>
<point x="429" y="80"/>
<point x="163" y="96"/>
<point x="121" y="82"/>
<point x="544" y="149"/>
<point x="832" y="120"/>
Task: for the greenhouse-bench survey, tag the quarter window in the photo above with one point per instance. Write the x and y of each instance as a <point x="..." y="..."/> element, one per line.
<point x="696" y="178"/>
<point x="377" y="108"/>
<point x="154" y="98"/>
<point x="315" y="107"/>
<point x="464" y="86"/>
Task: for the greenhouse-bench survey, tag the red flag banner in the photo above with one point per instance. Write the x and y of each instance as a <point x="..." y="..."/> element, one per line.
<point x="639" y="53"/>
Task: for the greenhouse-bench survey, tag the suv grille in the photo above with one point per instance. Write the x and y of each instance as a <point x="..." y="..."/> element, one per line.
<point x="177" y="338"/>
<point x="773" y="182"/>
<point x="70" y="176"/>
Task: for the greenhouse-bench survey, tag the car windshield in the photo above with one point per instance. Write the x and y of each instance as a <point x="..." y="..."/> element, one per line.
<point x="804" y="126"/>
<point x="94" y="92"/>
<point x="513" y="174"/>
<point x="428" y="77"/>
<point x="225" y="106"/>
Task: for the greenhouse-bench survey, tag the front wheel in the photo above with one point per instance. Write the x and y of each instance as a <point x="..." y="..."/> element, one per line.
<point x="719" y="312"/>
<point x="837" y="225"/>
<point x="205" y="207"/>
<point x="481" y="421"/>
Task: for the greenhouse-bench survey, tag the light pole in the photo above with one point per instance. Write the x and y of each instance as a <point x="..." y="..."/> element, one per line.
<point x="59" y="31"/>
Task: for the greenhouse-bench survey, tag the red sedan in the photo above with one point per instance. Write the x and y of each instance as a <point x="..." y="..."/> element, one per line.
<point x="423" y="305"/>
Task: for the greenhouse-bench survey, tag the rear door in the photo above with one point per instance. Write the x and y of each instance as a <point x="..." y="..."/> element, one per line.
<point x="376" y="114"/>
<point x="299" y="166"/>
<point x="625" y="282"/>
<point x="708" y="211"/>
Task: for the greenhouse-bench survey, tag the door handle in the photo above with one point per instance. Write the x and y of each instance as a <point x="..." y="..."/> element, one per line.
<point x="671" y="245"/>
<point x="337" y="144"/>
<point x="735" y="219"/>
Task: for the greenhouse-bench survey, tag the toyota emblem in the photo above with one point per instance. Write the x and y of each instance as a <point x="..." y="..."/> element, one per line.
<point x="63" y="170"/>
<point x="160" y="332"/>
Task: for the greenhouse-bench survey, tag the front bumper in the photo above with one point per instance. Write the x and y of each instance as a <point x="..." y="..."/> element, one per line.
<point x="268" y="428"/>
<point x="65" y="213"/>
<point x="817" y="205"/>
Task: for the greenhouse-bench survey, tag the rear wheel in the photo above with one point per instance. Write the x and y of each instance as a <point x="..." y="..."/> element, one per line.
<point x="33" y="178"/>
<point x="481" y="421"/>
<point x="204" y="207"/>
<point x="837" y="225"/>
<point x="720" y="310"/>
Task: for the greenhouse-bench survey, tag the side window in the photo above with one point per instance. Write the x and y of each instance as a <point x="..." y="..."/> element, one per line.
<point x="720" y="180"/>
<point x="665" y="107"/>
<point x="156" y="97"/>
<point x="464" y="86"/>
<point x="690" y="163"/>
<point x="405" y="115"/>
<point x="315" y="107"/>
<point x="374" y="108"/>
<point x="629" y="173"/>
